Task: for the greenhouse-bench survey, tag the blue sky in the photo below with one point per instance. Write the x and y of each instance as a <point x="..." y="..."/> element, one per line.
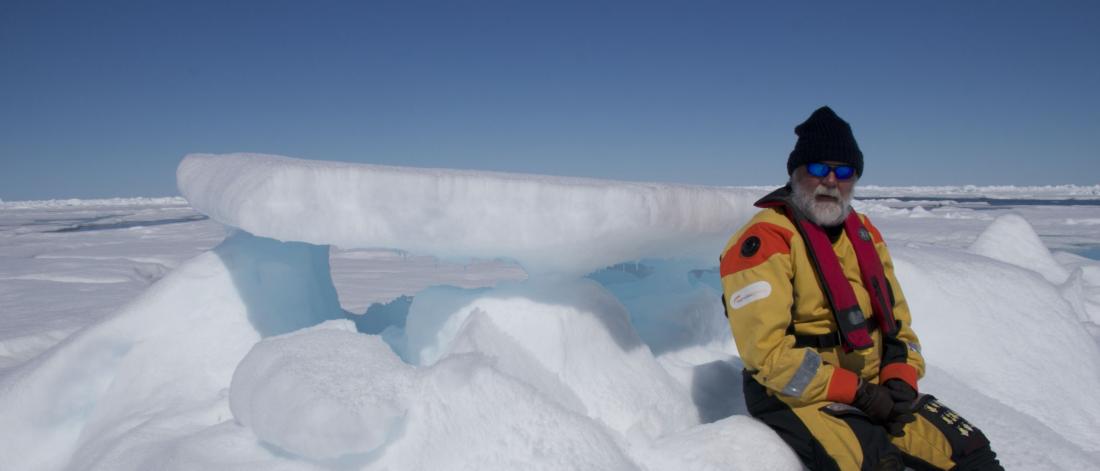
<point x="104" y="98"/>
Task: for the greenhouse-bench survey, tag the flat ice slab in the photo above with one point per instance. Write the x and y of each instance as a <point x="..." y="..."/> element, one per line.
<point x="547" y="224"/>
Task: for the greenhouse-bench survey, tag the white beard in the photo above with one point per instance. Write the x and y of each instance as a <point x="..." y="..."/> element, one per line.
<point x="822" y="213"/>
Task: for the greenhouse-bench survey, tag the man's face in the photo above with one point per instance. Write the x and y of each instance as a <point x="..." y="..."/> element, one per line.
<point x="825" y="200"/>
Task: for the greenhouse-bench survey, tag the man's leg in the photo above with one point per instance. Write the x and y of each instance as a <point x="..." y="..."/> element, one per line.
<point x="833" y="437"/>
<point x="941" y="439"/>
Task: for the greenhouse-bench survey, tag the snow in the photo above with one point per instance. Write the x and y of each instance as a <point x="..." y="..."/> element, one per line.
<point x="300" y="393"/>
<point x="137" y="334"/>
<point x="736" y="442"/>
<point x="94" y="203"/>
<point x="1011" y="239"/>
<point x="1088" y="192"/>
<point x="571" y="339"/>
<point x="964" y="330"/>
<point x="447" y="213"/>
<point x="164" y="360"/>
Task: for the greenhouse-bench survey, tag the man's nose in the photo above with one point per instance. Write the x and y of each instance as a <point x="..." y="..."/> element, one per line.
<point x="829" y="180"/>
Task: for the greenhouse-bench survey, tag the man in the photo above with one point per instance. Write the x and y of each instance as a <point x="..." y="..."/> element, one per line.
<point x="831" y="359"/>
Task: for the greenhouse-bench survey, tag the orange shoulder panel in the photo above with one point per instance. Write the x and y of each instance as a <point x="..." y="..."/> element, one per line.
<point x="772" y="239"/>
<point x="876" y="236"/>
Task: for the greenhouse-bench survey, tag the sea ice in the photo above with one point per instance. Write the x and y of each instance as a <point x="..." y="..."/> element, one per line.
<point x="239" y="358"/>
<point x="547" y="224"/>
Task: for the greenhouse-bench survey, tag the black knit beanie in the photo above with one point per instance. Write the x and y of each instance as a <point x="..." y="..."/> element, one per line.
<point x="825" y="137"/>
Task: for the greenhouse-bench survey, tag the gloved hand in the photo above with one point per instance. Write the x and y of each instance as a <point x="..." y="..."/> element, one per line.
<point x="900" y="391"/>
<point x="874" y="400"/>
<point x="878" y="403"/>
<point x="901" y="413"/>
<point x="895" y="424"/>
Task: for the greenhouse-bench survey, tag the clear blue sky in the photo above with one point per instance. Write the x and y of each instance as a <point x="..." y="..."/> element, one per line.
<point x="104" y="98"/>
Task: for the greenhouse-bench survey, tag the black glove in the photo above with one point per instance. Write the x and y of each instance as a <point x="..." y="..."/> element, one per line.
<point x="895" y="424"/>
<point x="900" y="391"/>
<point x="874" y="400"/>
<point x="903" y="396"/>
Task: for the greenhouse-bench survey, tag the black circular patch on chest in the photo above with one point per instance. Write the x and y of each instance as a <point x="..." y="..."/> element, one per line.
<point x="750" y="246"/>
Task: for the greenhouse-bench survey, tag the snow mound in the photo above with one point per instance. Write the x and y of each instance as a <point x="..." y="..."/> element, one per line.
<point x="1011" y="239"/>
<point x="1009" y="334"/>
<point x="468" y="415"/>
<point x="551" y="224"/>
<point x="322" y="392"/>
<point x="1039" y="447"/>
<point x="343" y="399"/>
<point x="738" y="443"/>
<point x="571" y="340"/>
<point x="159" y="366"/>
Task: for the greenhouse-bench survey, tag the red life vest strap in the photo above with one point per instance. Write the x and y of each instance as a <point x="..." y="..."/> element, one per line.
<point x="842" y="298"/>
<point x="849" y="317"/>
<point x="872" y="273"/>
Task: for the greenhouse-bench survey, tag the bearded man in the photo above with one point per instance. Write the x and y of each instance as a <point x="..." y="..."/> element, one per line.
<point x="831" y="359"/>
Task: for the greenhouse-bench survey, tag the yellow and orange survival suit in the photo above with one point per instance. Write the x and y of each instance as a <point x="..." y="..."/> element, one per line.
<point x="817" y="315"/>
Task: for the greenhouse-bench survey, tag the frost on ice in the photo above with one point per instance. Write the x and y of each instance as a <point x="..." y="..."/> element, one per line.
<point x="613" y="354"/>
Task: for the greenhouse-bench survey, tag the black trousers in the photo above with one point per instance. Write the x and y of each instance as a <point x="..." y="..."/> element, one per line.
<point x="832" y="436"/>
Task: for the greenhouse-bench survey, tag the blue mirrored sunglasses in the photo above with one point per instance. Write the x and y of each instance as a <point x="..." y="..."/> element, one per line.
<point x="821" y="170"/>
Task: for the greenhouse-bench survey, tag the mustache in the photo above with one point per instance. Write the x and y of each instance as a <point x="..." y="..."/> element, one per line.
<point x="822" y="190"/>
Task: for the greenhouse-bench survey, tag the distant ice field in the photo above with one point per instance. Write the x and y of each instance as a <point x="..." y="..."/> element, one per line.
<point x="475" y="364"/>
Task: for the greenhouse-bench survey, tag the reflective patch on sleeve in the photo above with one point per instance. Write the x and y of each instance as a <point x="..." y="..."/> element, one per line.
<point x="811" y="361"/>
<point x="914" y="347"/>
<point x="753" y="292"/>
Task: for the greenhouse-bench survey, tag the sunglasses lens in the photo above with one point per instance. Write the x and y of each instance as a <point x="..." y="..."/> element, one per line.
<point x="844" y="172"/>
<point x="818" y="169"/>
<point x="821" y="170"/>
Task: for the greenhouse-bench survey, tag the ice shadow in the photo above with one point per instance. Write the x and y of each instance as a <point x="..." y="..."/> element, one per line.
<point x="347" y="462"/>
<point x="436" y="305"/>
<point x="631" y="284"/>
<point x="716" y="390"/>
<point x="619" y="327"/>
<point x="381" y="316"/>
<point x="672" y="305"/>
<point x="285" y="286"/>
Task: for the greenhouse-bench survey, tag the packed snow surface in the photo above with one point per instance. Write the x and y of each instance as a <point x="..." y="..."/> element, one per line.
<point x="138" y="334"/>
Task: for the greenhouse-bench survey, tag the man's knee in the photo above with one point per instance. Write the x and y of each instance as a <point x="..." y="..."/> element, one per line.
<point x="982" y="459"/>
<point x="968" y="447"/>
<point x="841" y="439"/>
